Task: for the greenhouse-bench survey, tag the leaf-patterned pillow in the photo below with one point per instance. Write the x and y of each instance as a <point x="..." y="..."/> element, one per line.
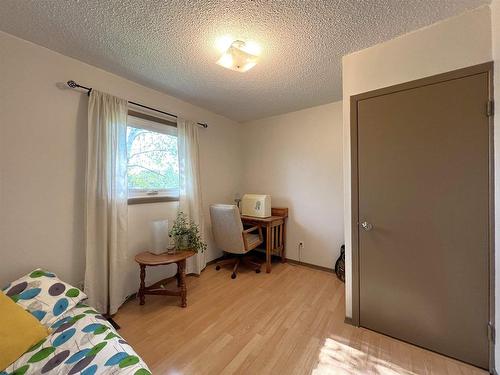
<point x="44" y="295"/>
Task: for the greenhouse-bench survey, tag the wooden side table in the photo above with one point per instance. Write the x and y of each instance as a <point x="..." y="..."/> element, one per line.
<point x="149" y="259"/>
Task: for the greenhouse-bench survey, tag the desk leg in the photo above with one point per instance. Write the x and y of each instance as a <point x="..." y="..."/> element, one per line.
<point x="142" y="287"/>
<point x="181" y="270"/>
<point x="268" y="248"/>
<point x="283" y="250"/>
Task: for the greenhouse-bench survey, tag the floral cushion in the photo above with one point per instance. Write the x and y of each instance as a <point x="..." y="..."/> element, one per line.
<point x="44" y="295"/>
<point x="82" y="342"/>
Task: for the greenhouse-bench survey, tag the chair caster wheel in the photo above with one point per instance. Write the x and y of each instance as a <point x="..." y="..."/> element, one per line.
<point x="257" y="270"/>
<point x="233" y="276"/>
<point x="217" y="267"/>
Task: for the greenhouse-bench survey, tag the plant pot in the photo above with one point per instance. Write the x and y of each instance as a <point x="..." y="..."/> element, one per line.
<point x="181" y="243"/>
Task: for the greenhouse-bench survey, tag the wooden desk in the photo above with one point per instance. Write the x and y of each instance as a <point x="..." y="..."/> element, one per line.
<point x="275" y="232"/>
<point x="149" y="259"/>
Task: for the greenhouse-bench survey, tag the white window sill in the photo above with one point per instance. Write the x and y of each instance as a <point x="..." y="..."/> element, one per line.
<point x="152" y="199"/>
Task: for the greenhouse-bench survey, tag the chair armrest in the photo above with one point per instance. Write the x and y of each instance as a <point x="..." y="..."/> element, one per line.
<point x="250" y="230"/>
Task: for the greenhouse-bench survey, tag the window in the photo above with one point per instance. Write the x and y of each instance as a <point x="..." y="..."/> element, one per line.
<point x="153" y="163"/>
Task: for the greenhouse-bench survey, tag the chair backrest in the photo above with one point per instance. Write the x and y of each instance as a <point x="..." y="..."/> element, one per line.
<point x="227" y="228"/>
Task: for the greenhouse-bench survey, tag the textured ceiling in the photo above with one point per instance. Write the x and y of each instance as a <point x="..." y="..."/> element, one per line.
<point x="169" y="45"/>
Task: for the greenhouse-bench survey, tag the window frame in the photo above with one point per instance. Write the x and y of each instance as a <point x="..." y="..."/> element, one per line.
<point x="159" y="125"/>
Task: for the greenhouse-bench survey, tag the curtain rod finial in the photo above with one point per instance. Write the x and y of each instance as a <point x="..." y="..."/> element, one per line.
<point x="71" y="84"/>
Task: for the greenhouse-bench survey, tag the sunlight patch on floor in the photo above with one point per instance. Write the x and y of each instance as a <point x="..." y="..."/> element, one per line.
<point x="338" y="358"/>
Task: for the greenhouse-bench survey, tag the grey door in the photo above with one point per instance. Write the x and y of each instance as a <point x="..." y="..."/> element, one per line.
<point x="423" y="180"/>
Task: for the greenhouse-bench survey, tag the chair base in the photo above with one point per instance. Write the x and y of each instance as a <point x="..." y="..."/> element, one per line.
<point x="236" y="261"/>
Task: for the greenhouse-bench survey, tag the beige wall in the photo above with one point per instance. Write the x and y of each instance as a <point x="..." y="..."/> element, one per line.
<point x="42" y="160"/>
<point x="297" y="158"/>
<point x="455" y="43"/>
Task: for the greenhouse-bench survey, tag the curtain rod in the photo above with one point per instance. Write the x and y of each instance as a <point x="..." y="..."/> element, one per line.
<point x="75" y="85"/>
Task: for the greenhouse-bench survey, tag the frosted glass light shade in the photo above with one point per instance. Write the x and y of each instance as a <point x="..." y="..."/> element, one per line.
<point x="159" y="236"/>
<point x="238" y="58"/>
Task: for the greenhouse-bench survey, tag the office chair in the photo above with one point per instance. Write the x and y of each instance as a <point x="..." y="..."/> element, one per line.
<point x="230" y="237"/>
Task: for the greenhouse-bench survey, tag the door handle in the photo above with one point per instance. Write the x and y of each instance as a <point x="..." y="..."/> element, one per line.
<point x="366" y="226"/>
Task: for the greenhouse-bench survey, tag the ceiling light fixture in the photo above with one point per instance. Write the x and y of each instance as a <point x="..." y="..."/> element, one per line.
<point x="240" y="56"/>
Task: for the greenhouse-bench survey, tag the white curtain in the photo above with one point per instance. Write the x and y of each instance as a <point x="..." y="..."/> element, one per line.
<point x="106" y="202"/>
<point x="190" y="201"/>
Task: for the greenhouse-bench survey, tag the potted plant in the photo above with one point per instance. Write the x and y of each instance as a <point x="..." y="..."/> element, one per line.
<point x="186" y="234"/>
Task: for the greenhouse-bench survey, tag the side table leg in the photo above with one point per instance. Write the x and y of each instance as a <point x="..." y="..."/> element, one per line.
<point x="181" y="272"/>
<point x="178" y="276"/>
<point x="142" y="300"/>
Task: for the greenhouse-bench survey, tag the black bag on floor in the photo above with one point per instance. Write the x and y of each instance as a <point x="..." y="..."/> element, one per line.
<point x="340" y="264"/>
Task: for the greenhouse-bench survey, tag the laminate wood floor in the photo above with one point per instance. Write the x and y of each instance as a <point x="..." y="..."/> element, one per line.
<point x="290" y="321"/>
